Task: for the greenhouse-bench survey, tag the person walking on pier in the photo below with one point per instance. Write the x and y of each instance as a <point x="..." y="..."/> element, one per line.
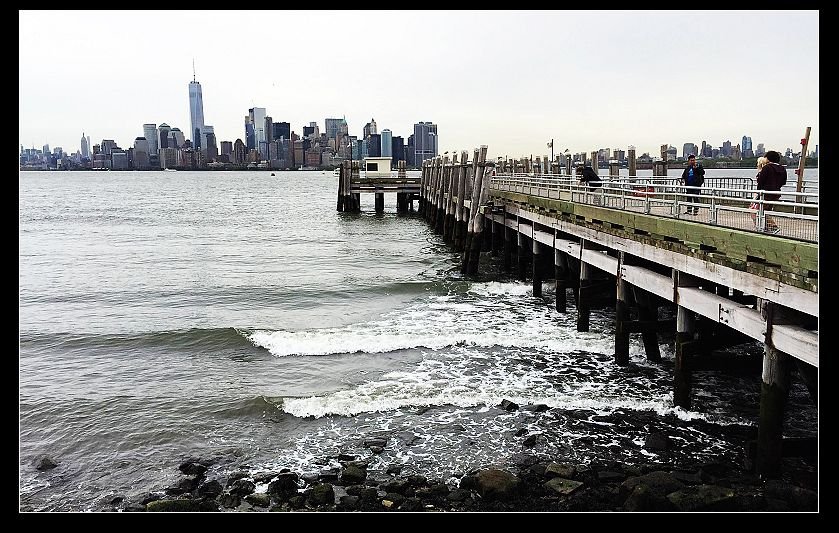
<point x="771" y="177"/>
<point x="693" y="177"/>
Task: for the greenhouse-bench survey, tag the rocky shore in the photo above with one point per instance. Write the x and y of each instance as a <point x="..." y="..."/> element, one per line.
<point x="534" y="484"/>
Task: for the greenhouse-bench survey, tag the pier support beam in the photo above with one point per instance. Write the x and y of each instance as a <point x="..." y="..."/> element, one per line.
<point x="508" y="249"/>
<point x="648" y="315"/>
<point x="496" y="238"/>
<point x="561" y="274"/>
<point x="522" y="256"/>
<point x="537" y="269"/>
<point x="583" y="310"/>
<point x="621" y="317"/>
<point x="773" y="398"/>
<point x="380" y="202"/>
<point x="685" y="325"/>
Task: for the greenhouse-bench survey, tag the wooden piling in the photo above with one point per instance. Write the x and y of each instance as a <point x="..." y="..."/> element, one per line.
<point x="685" y="325"/>
<point x="621" y="315"/>
<point x="341" y="187"/>
<point x="448" y="222"/>
<point x="561" y="274"/>
<point x="537" y="269"/>
<point x="648" y="316"/>
<point x="583" y="297"/>
<point x="508" y="248"/>
<point x="353" y="200"/>
<point x="379" y="201"/>
<point x="773" y="397"/>
<point x="480" y="194"/>
<point x="521" y="255"/>
<point x="460" y="228"/>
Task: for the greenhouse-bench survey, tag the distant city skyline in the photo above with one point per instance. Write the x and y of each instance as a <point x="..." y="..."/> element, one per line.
<point x="531" y="80"/>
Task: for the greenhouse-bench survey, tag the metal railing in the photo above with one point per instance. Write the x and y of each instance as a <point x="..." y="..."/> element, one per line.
<point x="727" y="202"/>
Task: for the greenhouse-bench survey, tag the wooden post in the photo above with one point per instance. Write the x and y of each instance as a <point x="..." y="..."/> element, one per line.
<point x="621" y="316"/>
<point x="442" y="174"/>
<point x="630" y="154"/>
<point x="508" y="248"/>
<point x="448" y="223"/>
<point x="380" y="201"/>
<point x="685" y="325"/>
<point x="496" y="237"/>
<point x="648" y="314"/>
<point x="472" y="251"/>
<point x="460" y="228"/>
<point x="537" y="269"/>
<point x="522" y="255"/>
<point x="804" y="143"/>
<point x="582" y="292"/>
<point x="341" y="187"/>
<point x="561" y="274"/>
<point x="354" y="198"/>
<point x="773" y="397"/>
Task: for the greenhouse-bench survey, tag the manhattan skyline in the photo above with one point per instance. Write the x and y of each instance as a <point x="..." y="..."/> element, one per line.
<point x="511" y="80"/>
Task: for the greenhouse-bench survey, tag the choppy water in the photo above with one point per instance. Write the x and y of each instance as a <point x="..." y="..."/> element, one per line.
<point x="238" y="316"/>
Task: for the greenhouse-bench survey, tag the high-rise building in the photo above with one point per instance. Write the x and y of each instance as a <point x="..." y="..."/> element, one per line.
<point x="688" y="149"/>
<point x="374" y="145"/>
<point x="256" y="118"/>
<point x="425" y="142"/>
<point x="163" y="130"/>
<point x="726" y="148"/>
<point x="239" y="152"/>
<point x="85" y="147"/>
<point x="227" y="149"/>
<point x="141" y="153"/>
<point x="370" y="128"/>
<point x="196" y="112"/>
<point x="397" y="150"/>
<point x="269" y="130"/>
<point x="333" y="126"/>
<point x="386" y="146"/>
<point x="150" y="133"/>
<point x="761" y="150"/>
<point x="281" y="130"/>
<point x="176" y="138"/>
<point x="208" y="142"/>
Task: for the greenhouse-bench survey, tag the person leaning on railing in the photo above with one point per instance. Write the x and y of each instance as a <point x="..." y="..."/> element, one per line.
<point x="771" y="177"/>
<point x="693" y="177"/>
<point x="588" y="177"/>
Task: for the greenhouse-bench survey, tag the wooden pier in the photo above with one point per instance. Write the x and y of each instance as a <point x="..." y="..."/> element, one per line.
<point x="723" y="280"/>
<point x="351" y="185"/>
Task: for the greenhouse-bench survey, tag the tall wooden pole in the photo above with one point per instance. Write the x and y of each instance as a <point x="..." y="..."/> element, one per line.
<point x="804" y="142"/>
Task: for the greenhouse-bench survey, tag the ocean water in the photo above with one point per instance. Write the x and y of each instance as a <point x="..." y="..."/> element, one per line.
<point x="238" y="316"/>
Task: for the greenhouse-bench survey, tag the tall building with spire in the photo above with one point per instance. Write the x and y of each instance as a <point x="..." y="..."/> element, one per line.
<point x="196" y="111"/>
<point x="85" y="147"/>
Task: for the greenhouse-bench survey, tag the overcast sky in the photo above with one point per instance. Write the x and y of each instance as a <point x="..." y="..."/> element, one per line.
<point x="509" y="79"/>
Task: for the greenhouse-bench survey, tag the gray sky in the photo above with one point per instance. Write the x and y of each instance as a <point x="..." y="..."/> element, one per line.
<point x="509" y="79"/>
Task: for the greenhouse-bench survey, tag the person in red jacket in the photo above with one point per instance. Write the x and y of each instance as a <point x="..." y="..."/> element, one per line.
<point x="771" y="177"/>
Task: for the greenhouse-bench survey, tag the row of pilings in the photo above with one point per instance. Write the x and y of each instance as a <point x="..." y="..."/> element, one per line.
<point x="350" y="201"/>
<point x="448" y="181"/>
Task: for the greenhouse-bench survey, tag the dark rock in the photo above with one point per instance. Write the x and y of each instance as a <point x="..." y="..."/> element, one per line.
<point x="408" y="437"/>
<point x="411" y="505"/>
<point x="309" y="478"/>
<point x="117" y="500"/>
<point x="258" y="499"/>
<point x="329" y="475"/>
<point x="520" y="432"/>
<point x="184" y="486"/>
<point x="394" y="469"/>
<point x="381" y="443"/>
<point x="538" y="469"/>
<point x="346" y="457"/>
<point x="230" y="501"/>
<point x="242" y="487"/>
<point x="524" y="460"/>
<point x="134" y="508"/>
<point x="563" y="486"/>
<point x="348" y="503"/>
<point x="799" y="499"/>
<point x="459" y="495"/>
<point x="688" y="478"/>
<point x="417" y="481"/>
<point x="192" y="469"/>
<point x="608" y="476"/>
<point x="659" y="483"/>
<point x="397" y="499"/>
<point x="530" y="441"/>
<point x="148" y="498"/>
<point x="285" y="486"/>
<point x="322" y="494"/>
<point x="507" y="405"/>
<point x="376" y="449"/>
<point x="236" y="476"/>
<point x="45" y="463"/>
<point x="492" y="483"/>
<point x="279" y="508"/>
<point x="560" y="470"/>
<point x="178" y="505"/>
<point x="264" y="477"/>
<point x="703" y="498"/>
<point x="535" y="408"/>
<point x="399" y="486"/>
<point x="436" y="490"/>
<point x="208" y="505"/>
<point x="657" y="441"/>
<point x="297" y="502"/>
<point x="352" y="475"/>
<point x="210" y="489"/>
<point x="644" y="499"/>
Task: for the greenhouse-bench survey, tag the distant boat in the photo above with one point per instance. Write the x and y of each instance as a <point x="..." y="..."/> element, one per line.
<point x="272" y="173"/>
<point x="170" y="170"/>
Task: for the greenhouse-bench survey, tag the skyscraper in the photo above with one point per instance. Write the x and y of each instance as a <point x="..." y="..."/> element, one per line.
<point x="425" y="142"/>
<point x="150" y="133"/>
<point x="333" y="125"/>
<point x="256" y="118"/>
<point x="387" y="140"/>
<point x="163" y="131"/>
<point x="370" y="128"/>
<point x="85" y="147"/>
<point x="196" y="112"/>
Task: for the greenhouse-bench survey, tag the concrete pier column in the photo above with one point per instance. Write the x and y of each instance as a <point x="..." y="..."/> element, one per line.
<point x="537" y="269"/>
<point x="582" y="294"/>
<point x="380" y="202"/>
<point x="774" y="391"/>
<point x="685" y="325"/>
<point x="621" y="318"/>
<point x="561" y="273"/>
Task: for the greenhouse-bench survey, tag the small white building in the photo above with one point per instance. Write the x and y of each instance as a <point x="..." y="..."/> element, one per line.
<point x="377" y="167"/>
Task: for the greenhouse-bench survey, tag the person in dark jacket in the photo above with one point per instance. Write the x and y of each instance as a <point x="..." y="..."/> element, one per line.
<point x="693" y="177"/>
<point x="589" y="177"/>
<point x="771" y="177"/>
